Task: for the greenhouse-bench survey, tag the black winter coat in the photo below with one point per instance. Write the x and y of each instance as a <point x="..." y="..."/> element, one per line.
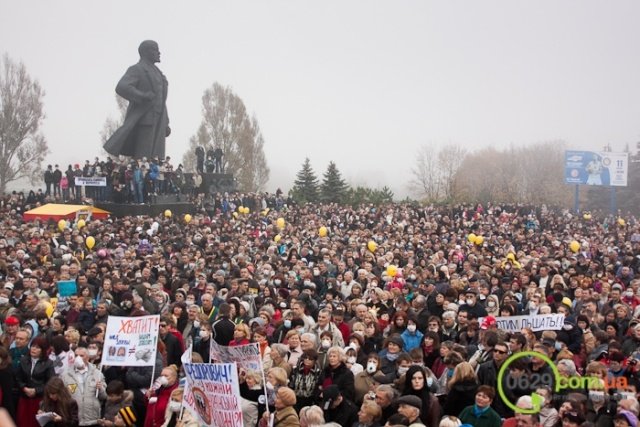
<point x="42" y="373"/>
<point x="343" y="378"/>
<point x="461" y="395"/>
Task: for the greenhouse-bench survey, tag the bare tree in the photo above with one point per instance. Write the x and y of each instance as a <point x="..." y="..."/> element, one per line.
<point x="22" y="146"/>
<point x="426" y="174"/>
<point x="111" y="124"/>
<point x="450" y="158"/>
<point x="528" y="174"/>
<point x="226" y="125"/>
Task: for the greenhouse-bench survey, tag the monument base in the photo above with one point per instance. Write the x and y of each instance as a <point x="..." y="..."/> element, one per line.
<point x="157" y="206"/>
<point x="217" y="183"/>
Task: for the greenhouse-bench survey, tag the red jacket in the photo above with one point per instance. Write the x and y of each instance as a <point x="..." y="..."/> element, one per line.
<point x="155" y="411"/>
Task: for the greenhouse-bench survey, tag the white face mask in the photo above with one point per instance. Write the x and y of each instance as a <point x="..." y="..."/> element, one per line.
<point x="411" y="328"/>
<point x="269" y="385"/>
<point x="162" y="380"/>
<point x="175" y="406"/>
<point x="470" y="301"/>
<point x="277" y="282"/>
<point x="372" y="367"/>
<point x="351" y="360"/>
<point x="326" y="344"/>
<point x="204" y="334"/>
<point x="403" y="370"/>
<point x="491" y="304"/>
<point x="4" y="300"/>
<point x="92" y="352"/>
<point x="78" y="364"/>
<point x="533" y="305"/>
<point x="196" y="323"/>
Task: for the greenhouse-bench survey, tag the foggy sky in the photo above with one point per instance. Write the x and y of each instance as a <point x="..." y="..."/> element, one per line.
<point x="362" y="83"/>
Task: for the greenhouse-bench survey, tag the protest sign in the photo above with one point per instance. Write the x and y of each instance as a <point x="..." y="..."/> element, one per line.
<point x="215" y="393"/>
<point x="67" y="288"/>
<point x="246" y="356"/>
<point x="131" y="341"/>
<point x="536" y="322"/>
<point x="91" y="181"/>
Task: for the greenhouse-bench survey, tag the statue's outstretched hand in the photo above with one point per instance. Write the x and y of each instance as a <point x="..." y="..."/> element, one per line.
<point x="168" y="132"/>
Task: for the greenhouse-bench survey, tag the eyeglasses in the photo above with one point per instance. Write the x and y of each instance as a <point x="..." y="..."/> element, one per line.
<point x="163" y="325"/>
<point x="499" y="351"/>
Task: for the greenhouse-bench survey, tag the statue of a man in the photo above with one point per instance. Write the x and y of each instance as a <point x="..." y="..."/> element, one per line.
<point x="146" y="123"/>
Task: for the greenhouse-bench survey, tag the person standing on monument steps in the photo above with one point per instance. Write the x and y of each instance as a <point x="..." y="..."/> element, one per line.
<point x="146" y="124"/>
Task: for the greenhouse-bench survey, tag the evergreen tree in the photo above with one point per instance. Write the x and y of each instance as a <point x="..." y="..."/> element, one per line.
<point x="305" y="187"/>
<point x="334" y="188"/>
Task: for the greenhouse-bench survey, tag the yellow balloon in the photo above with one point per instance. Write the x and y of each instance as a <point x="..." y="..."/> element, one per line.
<point x="587" y="216"/>
<point x="81" y="223"/>
<point x="280" y="222"/>
<point x="167" y="213"/>
<point x="479" y="240"/>
<point x="241" y="209"/>
<point x="511" y="256"/>
<point x="574" y="246"/>
<point x="246" y="210"/>
<point x="392" y="270"/>
<point x="90" y="242"/>
<point x="621" y="222"/>
<point x="62" y="224"/>
<point x="235" y="214"/>
<point x="277" y="238"/>
<point x="187" y="218"/>
<point x="472" y="238"/>
<point x="372" y="246"/>
<point x="323" y="231"/>
<point x="48" y="308"/>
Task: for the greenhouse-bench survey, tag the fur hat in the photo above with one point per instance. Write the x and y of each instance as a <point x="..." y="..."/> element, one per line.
<point x="287" y="396"/>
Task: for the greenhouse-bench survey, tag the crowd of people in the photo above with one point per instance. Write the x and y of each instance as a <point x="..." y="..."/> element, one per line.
<point x="367" y="316"/>
<point x="125" y="181"/>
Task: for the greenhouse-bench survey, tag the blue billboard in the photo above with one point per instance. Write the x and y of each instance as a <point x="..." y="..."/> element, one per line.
<point x="596" y="168"/>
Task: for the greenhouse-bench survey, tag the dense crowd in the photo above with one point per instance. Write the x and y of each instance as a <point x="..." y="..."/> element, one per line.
<point x="364" y="316"/>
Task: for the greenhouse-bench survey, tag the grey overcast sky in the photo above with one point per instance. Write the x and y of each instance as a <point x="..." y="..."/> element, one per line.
<point x="363" y="83"/>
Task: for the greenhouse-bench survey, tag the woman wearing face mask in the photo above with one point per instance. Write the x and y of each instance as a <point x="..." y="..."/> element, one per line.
<point x="202" y="342"/>
<point x="365" y="381"/>
<point x="284" y="327"/>
<point x="326" y="342"/>
<point x="172" y="413"/>
<point x="416" y="384"/>
<point x="492" y="306"/>
<point x="159" y="396"/>
<point x="337" y="373"/>
<point x="412" y="337"/>
<point x="352" y="360"/>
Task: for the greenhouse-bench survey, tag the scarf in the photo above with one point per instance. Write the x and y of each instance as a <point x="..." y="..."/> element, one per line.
<point x="477" y="412"/>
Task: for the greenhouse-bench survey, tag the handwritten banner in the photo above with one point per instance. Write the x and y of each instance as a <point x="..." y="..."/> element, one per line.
<point x="538" y="322"/>
<point x="214" y="393"/>
<point x="131" y="341"/>
<point x="246" y="356"/>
